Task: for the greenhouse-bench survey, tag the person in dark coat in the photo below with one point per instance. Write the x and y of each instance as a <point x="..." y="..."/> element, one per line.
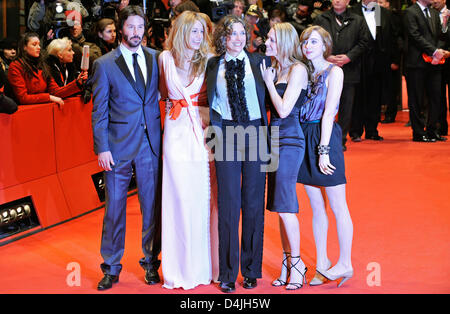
<point x="377" y="61"/>
<point x="425" y="40"/>
<point x="350" y="41"/>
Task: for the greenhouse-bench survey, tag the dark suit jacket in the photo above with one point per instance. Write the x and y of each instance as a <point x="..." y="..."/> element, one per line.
<point x="384" y="50"/>
<point x="212" y="71"/>
<point x="352" y="40"/>
<point x="119" y="113"/>
<point x="419" y="35"/>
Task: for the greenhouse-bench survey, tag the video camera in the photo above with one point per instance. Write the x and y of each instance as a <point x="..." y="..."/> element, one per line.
<point x="219" y="9"/>
<point x="59" y="23"/>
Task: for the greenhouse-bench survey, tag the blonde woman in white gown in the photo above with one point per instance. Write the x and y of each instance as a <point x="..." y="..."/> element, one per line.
<point x="189" y="205"/>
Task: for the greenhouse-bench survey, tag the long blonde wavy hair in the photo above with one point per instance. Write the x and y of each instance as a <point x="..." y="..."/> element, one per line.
<point x="288" y="44"/>
<point x="178" y="40"/>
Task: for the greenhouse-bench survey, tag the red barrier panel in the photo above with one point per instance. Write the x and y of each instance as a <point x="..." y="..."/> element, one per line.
<point x="28" y="145"/>
<point x="73" y="134"/>
<point x="79" y="189"/>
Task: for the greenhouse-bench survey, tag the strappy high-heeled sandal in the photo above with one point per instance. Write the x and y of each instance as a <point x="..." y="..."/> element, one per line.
<point x="297" y="285"/>
<point x="279" y="282"/>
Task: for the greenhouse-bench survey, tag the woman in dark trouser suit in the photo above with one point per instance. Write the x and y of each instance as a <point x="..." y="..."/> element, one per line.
<point x="236" y="95"/>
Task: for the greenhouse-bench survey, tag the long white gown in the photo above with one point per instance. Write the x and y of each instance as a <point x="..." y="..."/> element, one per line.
<point x="189" y="257"/>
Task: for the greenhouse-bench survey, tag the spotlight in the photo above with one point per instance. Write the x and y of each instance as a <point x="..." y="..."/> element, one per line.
<point x="59" y="8"/>
<point x="17" y="216"/>
<point x="4" y="218"/>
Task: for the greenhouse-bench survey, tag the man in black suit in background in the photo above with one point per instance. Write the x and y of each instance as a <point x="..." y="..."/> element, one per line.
<point x="444" y="13"/>
<point x="350" y="40"/>
<point x="376" y="63"/>
<point x="424" y="37"/>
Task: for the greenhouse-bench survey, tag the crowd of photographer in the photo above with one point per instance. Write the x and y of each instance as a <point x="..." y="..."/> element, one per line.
<point x="93" y="23"/>
<point x="44" y="65"/>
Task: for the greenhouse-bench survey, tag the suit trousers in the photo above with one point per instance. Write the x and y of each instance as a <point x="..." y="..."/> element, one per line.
<point x="445" y="97"/>
<point x="420" y="81"/>
<point x="367" y="108"/>
<point x="241" y="184"/>
<point x="345" y="108"/>
<point x="117" y="180"/>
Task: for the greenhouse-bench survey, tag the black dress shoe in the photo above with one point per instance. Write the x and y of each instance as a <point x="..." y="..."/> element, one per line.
<point x="250" y="283"/>
<point x="388" y="120"/>
<point x="356" y="138"/>
<point x="107" y="282"/>
<point x="438" y="137"/>
<point x="151" y="277"/>
<point x="374" y="137"/>
<point x="227" y="287"/>
<point x="424" y="139"/>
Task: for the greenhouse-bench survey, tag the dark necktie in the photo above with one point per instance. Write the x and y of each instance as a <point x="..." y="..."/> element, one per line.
<point x="140" y="83"/>
<point x="427" y="14"/>
<point x="369" y="9"/>
<point x="340" y="18"/>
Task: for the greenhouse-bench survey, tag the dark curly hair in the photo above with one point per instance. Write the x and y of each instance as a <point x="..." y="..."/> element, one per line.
<point x="224" y="28"/>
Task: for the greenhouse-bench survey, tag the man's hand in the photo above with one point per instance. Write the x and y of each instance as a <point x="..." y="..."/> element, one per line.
<point x="342" y="60"/>
<point x="105" y="160"/>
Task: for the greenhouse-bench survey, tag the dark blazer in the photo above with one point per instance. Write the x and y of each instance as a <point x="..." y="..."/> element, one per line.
<point x="352" y="40"/>
<point x="384" y="50"/>
<point x="120" y="113"/>
<point x="212" y="71"/>
<point x="420" y="36"/>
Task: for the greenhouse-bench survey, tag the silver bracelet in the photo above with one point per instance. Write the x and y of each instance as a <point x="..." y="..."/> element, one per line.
<point x="323" y="149"/>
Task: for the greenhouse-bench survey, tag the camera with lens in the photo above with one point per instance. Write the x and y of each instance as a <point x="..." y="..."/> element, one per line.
<point x="219" y="9"/>
<point x="59" y="23"/>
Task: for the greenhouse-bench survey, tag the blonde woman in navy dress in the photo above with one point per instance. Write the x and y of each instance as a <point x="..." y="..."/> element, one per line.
<point x="287" y="95"/>
<point x="323" y="165"/>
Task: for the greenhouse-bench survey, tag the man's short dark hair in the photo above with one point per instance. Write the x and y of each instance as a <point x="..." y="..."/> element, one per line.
<point x="128" y="11"/>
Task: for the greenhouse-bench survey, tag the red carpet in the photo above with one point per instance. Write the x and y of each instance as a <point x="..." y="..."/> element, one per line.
<point x="398" y="195"/>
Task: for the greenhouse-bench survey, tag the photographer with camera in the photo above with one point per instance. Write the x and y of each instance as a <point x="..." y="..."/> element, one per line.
<point x="48" y="18"/>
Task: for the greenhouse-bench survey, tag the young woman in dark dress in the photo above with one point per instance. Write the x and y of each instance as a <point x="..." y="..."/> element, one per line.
<point x="323" y="165"/>
<point x="287" y="95"/>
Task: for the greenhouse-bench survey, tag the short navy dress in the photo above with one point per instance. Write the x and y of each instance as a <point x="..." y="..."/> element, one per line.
<point x="310" y="120"/>
<point x="282" y="194"/>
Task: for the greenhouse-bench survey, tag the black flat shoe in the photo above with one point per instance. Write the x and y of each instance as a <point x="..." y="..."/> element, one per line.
<point x="227" y="287"/>
<point x="374" y="137"/>
<point x="356" y="139"/>
<point x="388" y="120"/>
<point x="107" y="282"/>
<point x="423" y="139"/>
<point x="438" y="137"/>
<point x="249" y="283"/>
<point x="151" y="277"/>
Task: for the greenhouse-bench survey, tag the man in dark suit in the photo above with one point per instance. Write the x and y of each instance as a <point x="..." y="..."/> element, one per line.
<point x="127" y="132"/>
<point x="376" y="62"/>
<point x="444" y="15"/>
<point x="424" y="37"/>
<point x="350" y="40"/>
<point x="236" y="96"/>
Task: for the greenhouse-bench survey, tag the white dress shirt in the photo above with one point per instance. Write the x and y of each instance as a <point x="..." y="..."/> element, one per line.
<point x="220" y="102"/>
<point x="128" y="56"/>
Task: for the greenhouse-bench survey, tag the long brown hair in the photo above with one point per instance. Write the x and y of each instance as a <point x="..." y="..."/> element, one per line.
<point x="31" y="65"/>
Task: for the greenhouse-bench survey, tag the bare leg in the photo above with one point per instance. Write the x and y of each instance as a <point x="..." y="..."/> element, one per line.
<point x="338" y="203"/>
<point x="320" y="226"/>
<point x="286" y="256"/>
<point x="292" y="232"/>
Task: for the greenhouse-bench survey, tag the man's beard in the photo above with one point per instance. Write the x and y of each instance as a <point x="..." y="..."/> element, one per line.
<point x="130" y="43"/>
